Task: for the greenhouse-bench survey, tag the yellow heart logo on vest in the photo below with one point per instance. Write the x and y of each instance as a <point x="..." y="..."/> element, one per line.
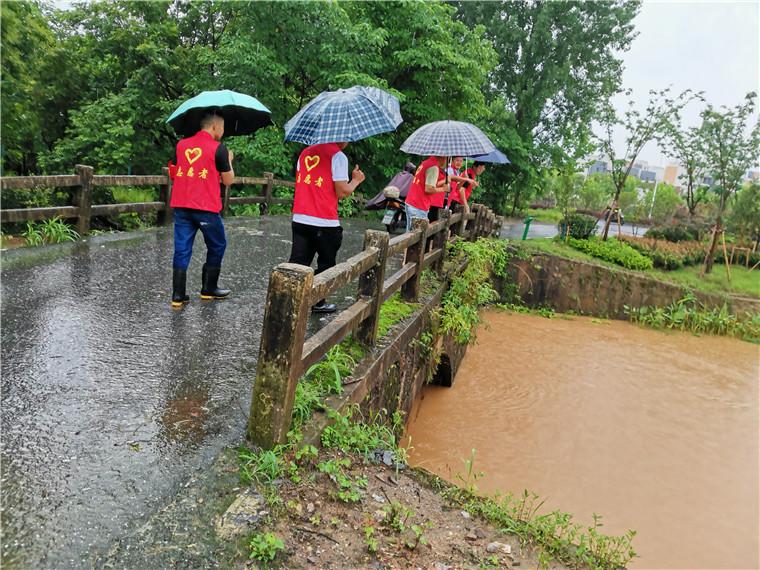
<point x="311" y="162"/>
<point x="193" y="154"/>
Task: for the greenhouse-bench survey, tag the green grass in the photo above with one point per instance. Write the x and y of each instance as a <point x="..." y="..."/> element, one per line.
<point x="551" y="215"/>
<point x="127" y="194"/>
<point x="743" y="282"/>
<point x="394" y="310"/>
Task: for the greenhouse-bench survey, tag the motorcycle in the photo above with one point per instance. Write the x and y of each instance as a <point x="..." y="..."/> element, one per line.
<point x="395" y="209"/>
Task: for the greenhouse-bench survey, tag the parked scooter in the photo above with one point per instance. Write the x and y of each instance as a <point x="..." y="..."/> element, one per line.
<point x="392" y="198"/>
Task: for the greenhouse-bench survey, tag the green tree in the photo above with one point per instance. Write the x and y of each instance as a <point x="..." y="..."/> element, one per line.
<point x="731" y="146"/>
<point x="686" y="146"/>
<point x="745" y="213"/>
<point x="558" y="63"/>
<point x="640" y="128"/>
<point x="27" y="41"/>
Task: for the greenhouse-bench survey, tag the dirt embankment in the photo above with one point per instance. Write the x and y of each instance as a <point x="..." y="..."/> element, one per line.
<point x="402" y="519"/>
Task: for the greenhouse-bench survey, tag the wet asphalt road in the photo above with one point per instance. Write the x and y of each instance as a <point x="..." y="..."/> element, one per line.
<point x="109" y="397"/>
<point x="513" y="229"/>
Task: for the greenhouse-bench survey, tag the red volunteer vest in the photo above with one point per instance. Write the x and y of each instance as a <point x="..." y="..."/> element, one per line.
<point x="469" y="173"/>
<point x="417" y="197"/>
<point x="196" y="180"/>
<point x="315" y="190"/>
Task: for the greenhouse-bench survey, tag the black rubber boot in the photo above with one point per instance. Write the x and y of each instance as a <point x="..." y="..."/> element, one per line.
<point x="209" y="288"/>
<point x="179" y="283"/>
<point x="323" y="307"/>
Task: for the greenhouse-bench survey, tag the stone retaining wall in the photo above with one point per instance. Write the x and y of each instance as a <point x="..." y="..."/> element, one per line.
<point x="573" y="285"/>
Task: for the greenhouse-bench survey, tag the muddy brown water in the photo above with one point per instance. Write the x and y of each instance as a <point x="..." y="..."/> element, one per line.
<point x="655" y="431"/>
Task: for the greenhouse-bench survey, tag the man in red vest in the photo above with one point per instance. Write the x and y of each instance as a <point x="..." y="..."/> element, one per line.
<point x="321" y="180"/>
<point x="202" y="163"/>
<point x="429" y="180"/>
<point x="464" y="189"/>
<point x="456" y="179"/>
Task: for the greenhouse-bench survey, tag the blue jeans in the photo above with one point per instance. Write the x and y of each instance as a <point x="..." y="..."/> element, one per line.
<point x="187" y="222"/>
<point x="412" y="212"/>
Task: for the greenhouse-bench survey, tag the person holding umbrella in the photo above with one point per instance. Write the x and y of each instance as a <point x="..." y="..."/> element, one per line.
<point x="439" y="140"/>
<point x="462" y="195"/>
<point x="327" y="124"/>
<point x="429" y="182"/>
<point x="457" y="180"/>
<point x="203" y="163"/>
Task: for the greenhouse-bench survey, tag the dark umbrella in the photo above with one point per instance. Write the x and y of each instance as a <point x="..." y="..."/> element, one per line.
<point x="242" y="113"/>
<point x="495" y="157"/>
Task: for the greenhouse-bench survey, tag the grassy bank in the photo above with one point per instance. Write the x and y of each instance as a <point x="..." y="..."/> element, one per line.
<point x="743" y="282"/>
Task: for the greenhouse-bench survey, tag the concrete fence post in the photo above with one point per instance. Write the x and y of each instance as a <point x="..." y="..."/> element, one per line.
<point x="83" y="198"/>
<point x="279" y="366"/>
<point x="166" y="216"/>
<point x="371" y="286"/>
<point x="441" y="238"/>
<point x="268" y="192"/>
<point x="410" y="291"/>
<point x="458" y="228"/>
<point x="225" y="200"/>
<point x="472" y="235"/>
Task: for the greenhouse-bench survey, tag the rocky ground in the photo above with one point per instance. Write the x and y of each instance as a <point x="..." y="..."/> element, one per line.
<point x="387" y="519"/>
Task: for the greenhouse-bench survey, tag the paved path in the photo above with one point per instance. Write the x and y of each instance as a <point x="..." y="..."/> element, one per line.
<point x="111" y="399"/>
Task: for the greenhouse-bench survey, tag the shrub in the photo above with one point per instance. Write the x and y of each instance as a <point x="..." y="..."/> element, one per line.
<point x="678" y="230"/>
<point x="613" y="251"/>
<point x="580" y="226"/>
<point x="666" y="254"/>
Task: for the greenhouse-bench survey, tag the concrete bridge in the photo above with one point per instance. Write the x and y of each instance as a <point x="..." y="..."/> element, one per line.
<point x="111" y="399"/>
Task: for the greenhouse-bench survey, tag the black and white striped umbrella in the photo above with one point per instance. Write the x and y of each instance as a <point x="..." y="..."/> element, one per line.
<point x="448" y="138"/>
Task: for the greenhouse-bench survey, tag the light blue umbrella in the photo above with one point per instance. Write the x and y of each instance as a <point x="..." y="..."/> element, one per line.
<point x="242" y="113"/>
<point x="345" y="115"/>
<point x="448" y="138"/>
<point x="494" y="157"/>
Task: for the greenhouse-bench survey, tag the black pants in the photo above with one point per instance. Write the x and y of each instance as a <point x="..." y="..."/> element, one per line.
<point x="434" y="213"/>
<point x="310" y="240"/>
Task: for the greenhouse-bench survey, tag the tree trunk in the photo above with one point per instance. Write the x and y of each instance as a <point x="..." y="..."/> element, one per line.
<point x="710" y="256"/>
<point x="608" y="219"/>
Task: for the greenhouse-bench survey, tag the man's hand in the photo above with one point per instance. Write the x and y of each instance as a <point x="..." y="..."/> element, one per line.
<point x="357" y="176"/>
<point x="231" y="155"/>
<point x="475" y="184"/>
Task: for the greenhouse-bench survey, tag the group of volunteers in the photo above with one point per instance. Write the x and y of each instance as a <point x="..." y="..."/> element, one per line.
<point x="322" y="178"/>
<point x="435" y="187"/>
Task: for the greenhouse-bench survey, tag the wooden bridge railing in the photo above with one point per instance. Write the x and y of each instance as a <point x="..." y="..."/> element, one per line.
<point x="285" y="354"/>
<point x="85" y="179"/>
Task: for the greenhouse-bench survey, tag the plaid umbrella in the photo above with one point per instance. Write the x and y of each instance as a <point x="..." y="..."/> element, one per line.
<point x="242" y="113"/>
<point x="448" y="138"/>
<point x="345" y="115"/>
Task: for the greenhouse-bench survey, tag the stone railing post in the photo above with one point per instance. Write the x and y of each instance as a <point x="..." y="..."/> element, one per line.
<point x="472" y="235"/>
<point x="166" y="216"/>
<point x="83" y="198"/>
<point x="458" y="228"/>
<point x="268" y="192"/>
<point x="439" y="242"/>
<point x="225" y="200"/>
<point x="279" y="366"/>
<point x="371" y="286"/>
<point x="410" y="291"/>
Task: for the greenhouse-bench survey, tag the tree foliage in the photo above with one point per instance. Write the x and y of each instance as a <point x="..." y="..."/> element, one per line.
<point x="531" y="74"/>
<point x="731" y="146"/>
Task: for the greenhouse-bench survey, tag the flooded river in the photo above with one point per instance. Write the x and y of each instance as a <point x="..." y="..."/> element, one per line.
<point x="656" y="432"/>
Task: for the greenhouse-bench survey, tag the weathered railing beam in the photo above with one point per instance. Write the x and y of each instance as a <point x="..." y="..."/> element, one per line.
<point x="282" y="343"/>
<point x="343" y="273"/>
<point x="395" y="281"/>
<point x="439" y="242"/>
<point x="317" y="345"/>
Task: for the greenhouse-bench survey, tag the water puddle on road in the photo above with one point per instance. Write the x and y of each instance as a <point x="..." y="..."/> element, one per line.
<point x="656" y="432"/>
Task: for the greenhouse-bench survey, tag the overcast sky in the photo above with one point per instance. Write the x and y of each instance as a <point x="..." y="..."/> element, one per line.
<point x="706" y="46"/>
